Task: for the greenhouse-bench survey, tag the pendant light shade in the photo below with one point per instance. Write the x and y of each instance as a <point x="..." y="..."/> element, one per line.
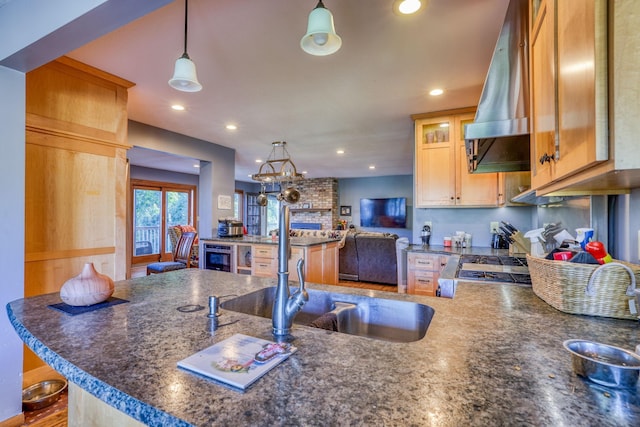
<point x="321" y="38"/>
<point x="184" y="74"/>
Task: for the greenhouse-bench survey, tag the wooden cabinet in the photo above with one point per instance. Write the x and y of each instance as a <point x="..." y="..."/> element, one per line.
<point x="423" y="271"/>
<point x="264" y="260"/>
<point x="76" y="176"/>
<point x="320" y="262"/>
<point x="569" y="99"/>
<point x="441" y="174"/>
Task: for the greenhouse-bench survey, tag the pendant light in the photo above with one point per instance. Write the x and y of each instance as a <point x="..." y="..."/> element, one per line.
<point x="321" y="38"/>
<point x="184" y="74"/>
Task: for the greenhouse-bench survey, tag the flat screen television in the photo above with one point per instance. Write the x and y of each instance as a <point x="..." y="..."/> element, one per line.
<point x="385" y="213"/>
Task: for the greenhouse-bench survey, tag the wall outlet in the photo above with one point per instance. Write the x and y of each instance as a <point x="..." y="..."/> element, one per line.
<point x="428" y="223"/>
<point x="494" y="227"/>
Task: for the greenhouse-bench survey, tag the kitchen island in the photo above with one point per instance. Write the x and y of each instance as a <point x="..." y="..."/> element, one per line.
<point x="258" y="256"/>
<point x="493" y="355"/>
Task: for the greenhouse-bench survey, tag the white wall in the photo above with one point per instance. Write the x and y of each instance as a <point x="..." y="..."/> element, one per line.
<point x="12" y="122"/>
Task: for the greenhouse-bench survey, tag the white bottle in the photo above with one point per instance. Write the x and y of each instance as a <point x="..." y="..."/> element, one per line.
<point x="535" y="236"/>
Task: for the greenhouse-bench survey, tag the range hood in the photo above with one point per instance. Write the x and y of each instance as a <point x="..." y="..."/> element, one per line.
<point x="498" y="139"/>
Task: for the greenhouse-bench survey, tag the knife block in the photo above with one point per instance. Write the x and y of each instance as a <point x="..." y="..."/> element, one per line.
<point x="515" y="250"/>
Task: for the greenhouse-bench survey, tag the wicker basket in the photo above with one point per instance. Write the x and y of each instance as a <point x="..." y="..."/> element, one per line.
<point x="563" y="285"/>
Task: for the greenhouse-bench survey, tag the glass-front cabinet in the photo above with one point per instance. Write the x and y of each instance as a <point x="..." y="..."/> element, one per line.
<point x="441" y="174"/>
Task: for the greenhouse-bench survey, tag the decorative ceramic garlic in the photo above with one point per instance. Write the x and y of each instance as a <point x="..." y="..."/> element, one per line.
<point x="87" y="288"/>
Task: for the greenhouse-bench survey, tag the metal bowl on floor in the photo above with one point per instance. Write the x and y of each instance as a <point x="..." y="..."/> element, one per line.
<point x="42" y="394"/>
<point x="604" y="364"/>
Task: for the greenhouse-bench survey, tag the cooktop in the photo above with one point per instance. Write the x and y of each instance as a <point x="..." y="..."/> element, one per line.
<point x="494" y="268"/>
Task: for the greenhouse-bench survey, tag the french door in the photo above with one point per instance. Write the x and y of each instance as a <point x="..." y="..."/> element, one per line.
<point x="157" y="206"/>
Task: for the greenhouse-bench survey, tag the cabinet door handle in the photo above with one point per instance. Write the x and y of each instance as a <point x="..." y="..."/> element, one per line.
<point x="546" y="158"/>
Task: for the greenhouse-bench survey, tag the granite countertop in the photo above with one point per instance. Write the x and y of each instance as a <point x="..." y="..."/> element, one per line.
<point x="263" y="240"/>
<point x="448" y="250"/>
<point x="493" y="355"/>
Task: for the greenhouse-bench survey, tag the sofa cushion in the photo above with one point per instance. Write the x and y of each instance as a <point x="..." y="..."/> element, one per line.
<point x="377" y="260"/>
<point x="348" y="258"/>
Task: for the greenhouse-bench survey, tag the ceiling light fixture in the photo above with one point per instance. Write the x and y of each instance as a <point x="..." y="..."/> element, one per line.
<point x="321" y="38"/>
<point x="177" y="107"/>
<point x="231" y="127"/>
<point x="340" y="152"/>
<point x="184" y="74"/>
<point x="407" y="7"/>
<point x="278" y="168"/>
<point x="436" y="92"/>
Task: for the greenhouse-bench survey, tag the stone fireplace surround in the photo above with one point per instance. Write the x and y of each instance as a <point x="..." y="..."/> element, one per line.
<point x="321" y="195"/>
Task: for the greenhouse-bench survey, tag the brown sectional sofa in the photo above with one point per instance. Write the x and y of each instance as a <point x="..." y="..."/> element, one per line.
<point x="364" y="256"/>
<point x="369" y="257"/>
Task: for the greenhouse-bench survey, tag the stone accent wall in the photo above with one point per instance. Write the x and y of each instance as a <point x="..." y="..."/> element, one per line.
<point x="322" y="196"/>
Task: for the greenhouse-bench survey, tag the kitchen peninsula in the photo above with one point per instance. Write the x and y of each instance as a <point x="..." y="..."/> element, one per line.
<point x="258" y="256"/>
<point x="493" y="355"/>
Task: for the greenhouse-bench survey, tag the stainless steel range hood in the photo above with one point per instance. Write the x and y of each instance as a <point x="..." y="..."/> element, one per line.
<point x="498" y="140"/>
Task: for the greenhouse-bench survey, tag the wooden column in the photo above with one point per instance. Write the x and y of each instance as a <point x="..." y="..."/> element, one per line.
<point x="76" y="176"/>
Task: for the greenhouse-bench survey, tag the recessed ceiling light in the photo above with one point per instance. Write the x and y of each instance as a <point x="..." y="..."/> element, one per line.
<point x="258" y="161"/>
<point x="177" y="107"/>
<point x="197" y="165"/>
<point x="372" y="167"/>
<point x="340" y="151"/>
<point x="231" y="127"/>
<point x="304" y="172"/>
<point x="407" y="7"/>
<point x="436" y="92"/>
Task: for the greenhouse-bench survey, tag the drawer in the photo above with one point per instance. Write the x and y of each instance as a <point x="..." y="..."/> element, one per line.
<point x="264" y="267"/>
<point x="422" y="282"/>
<point x="422" y="262"/>
<point x="265" y="251"/>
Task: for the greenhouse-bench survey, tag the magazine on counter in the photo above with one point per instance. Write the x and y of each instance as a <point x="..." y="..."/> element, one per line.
<point x="239" y="360"/>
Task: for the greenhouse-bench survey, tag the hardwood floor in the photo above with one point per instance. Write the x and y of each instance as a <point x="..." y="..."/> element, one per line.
<point x="141" y="271"/>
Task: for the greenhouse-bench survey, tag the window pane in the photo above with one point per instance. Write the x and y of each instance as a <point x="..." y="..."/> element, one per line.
<point x="273" y="213"/>
<point x="146" y="221"/>
<point x="177" y="212"/>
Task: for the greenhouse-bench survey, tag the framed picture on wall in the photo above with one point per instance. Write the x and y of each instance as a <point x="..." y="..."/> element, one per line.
<point x="345" y="210"/>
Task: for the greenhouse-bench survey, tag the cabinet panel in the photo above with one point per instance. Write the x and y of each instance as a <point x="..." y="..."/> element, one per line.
<point x="435" y="163"/>
<point x="423" y="271"/>
<point x="441" y="174"/>
<point x="582" y="98"/>
<point x="543" y="104"/>
<point x="569" y="99"/>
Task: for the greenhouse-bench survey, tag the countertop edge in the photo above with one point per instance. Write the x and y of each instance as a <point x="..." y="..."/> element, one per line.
<point x="140" y="411"/>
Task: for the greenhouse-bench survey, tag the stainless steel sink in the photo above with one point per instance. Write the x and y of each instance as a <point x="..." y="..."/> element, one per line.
<point x="384" y="319"/>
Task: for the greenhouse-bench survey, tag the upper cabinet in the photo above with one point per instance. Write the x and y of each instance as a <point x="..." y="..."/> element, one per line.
<point x="441" y="175"/>
<point x="576" y="146"/>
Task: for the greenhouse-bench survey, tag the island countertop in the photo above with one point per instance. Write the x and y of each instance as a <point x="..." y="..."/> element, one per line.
<point x="262" y="240"/>
<point x="493" y="355"/>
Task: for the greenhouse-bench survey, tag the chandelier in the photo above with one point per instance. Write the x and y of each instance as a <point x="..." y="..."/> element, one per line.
<point x="278" y="169"/>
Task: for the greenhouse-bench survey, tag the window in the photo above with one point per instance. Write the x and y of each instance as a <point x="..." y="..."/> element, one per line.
<point x="238" y="208"/>
<point x="156" y="207"/>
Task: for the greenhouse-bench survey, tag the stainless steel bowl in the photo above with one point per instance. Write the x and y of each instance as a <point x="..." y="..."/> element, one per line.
<point x="604" y="364"/>
<point x="42" y="394"/>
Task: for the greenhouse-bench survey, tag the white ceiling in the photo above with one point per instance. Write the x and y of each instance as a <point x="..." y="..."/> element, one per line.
<point x="255" y="75"/>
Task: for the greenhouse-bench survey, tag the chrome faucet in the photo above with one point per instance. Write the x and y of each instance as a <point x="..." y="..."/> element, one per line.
<point x="286" y="305"/>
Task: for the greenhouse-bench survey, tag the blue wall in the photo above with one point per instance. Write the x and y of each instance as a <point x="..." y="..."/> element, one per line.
<point x="353" y="189"/>
<point x="445" y="221"/>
